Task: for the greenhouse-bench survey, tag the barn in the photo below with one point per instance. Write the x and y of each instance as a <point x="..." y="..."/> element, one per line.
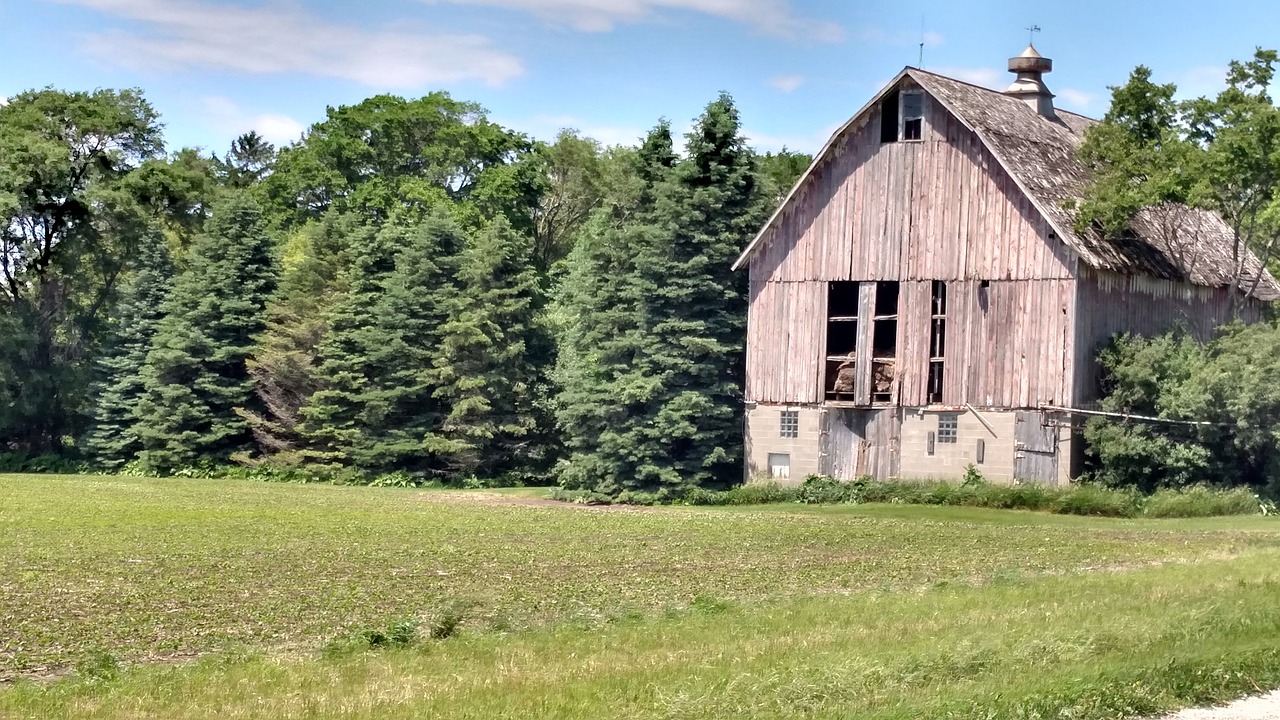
<point x="921" y="299"/>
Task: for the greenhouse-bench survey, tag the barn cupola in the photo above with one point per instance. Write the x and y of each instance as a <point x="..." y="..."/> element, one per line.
<point x="1030" y="68"/>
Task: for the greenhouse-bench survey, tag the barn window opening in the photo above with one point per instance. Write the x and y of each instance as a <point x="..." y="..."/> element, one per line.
<point x="790" y="424"/>
<point x="948" y="427"/>
<point x="889" y="117"/>
<point x="937" y="340"/>
<point x="842" y="340"/>
<point x="912" y="115"/>
<point x="884" y="342"/>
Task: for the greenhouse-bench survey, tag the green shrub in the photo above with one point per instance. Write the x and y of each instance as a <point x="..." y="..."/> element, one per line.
<point x="1201" y="501"/>
<point x="1087" y="499"/>
<point x="761" y="493"/>
<point x="400" y="633"/>
<point x="826" y="490"/>
<point x="42" y="464"/>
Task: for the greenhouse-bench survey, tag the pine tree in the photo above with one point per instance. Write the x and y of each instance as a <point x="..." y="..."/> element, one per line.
<point x="332" y="418"/>
<point x="652" y="358"/>
<point x="113" y="440"/>
<point x="377" y="411"/>
<point x="696" y="312"/>
<point x="601" y="334"/>
<point x="487" y="365"/>
<point x="283" y="365"/>
<point x="403" y="417"/>
<point x="196" y="374"/>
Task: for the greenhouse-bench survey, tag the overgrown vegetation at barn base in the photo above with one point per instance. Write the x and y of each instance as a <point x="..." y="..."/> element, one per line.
<point x="1081" y="499"/>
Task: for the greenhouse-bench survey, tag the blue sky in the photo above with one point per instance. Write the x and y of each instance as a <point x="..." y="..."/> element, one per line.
<point x="610" y="68"/>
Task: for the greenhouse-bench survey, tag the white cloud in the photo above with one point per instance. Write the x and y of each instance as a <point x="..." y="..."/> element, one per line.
<point x="786" y="83"/>
<point x="1078" y="99"/>
<point x="229" y="119"/>
<point x="284" y="38"/>
<point x="986" y="77"/>
<point x="772" y="17"/>
<point x="545" y="127"/>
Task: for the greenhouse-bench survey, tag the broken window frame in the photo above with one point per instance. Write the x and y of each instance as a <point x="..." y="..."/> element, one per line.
<point x="911" y="127"/>
<point x="842" y="325"/>
<point x="895" y="123"/>
<point x="937" y="342"/>
<point x="884" y="342"/>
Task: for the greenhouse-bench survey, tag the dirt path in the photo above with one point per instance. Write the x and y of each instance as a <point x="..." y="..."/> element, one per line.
<point x="1263" y="707"/>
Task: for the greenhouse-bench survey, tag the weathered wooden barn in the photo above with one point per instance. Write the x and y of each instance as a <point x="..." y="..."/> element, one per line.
<point x="921" y="300"/>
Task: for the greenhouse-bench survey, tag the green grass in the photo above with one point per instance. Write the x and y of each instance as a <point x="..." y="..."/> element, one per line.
<point x="866" y="611"/>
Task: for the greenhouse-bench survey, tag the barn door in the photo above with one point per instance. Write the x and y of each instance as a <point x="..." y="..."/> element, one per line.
<point x="1035" y="448"/>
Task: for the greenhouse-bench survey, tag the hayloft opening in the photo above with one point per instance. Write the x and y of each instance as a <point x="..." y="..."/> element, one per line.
<point x="884" y="342"/>
<point x="902" y="116"/>
<point x="889" y="117"/>
<point x="842" y="339"/>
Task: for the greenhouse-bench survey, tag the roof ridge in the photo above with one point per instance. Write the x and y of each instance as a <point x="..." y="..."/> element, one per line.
<point x="993" y="91"/>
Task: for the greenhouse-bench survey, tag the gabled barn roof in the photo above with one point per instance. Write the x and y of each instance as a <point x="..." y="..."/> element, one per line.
<point x="1173" y="243"/>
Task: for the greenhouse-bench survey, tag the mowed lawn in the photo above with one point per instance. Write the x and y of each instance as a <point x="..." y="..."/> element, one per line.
<point x="219" y="597"/>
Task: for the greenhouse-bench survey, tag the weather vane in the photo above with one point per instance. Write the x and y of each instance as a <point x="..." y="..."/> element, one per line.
<point x="1031" y="33"/>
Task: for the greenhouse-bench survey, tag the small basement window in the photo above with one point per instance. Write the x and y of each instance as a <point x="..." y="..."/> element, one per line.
<point x="790" y="424"/>
<point x="948" y="427"/>
<point x="779" y="465"/>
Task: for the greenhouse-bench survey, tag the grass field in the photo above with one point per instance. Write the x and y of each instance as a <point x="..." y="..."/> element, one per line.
<point x="219" y="598"/>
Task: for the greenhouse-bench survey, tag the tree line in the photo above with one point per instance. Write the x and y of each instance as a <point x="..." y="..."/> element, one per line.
<point x="409" y="290"/>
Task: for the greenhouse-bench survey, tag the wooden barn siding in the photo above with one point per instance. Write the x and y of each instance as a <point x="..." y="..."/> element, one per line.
<point x="1018" y="351"/>
<point x="1108" y="303"/>
<point x="914" y="212"/>
<point x="941" y="208"/>
<point x="784" y="351"/>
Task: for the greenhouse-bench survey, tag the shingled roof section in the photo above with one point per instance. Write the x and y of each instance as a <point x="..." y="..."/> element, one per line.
<point x="1171" y="242"/>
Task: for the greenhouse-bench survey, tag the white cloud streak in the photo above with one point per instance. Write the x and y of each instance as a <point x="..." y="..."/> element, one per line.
<point x="786" y="83"/>
<point x="228" y="118"/>
<point x="283" y="38"/>
<point x="1077" y="99"/>
<point x="770" y="17"/>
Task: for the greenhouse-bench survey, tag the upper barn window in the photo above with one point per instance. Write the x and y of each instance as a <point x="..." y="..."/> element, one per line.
<point x="912" y="115"/>
<point x="902" y="115"/>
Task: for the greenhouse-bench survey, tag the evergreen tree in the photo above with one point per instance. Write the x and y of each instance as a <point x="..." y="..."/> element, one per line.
<point x="283" y="364"/>
<point x="696" y="313"/>
<point x="601" y="332"/>
<point x="332" y="418"/>
<point x="377" y="411"/>
<point x="487" y="364"/>
<point x="653" y="385"/>
<point x="196" y="373"/>
<point x="403" y="417"/>
<point x="113" y="439"/>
